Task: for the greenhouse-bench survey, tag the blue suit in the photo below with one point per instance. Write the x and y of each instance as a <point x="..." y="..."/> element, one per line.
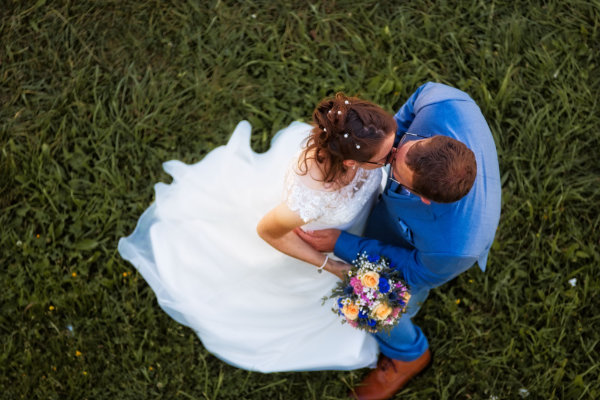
<point x="432" y="244"/>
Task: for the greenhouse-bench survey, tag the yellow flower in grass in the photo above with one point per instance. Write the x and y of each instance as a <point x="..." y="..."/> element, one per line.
<point x="370" y="279"/>
<point x="74" y="274"/>
<point x="382" y="311"/>
<point x="350" y="311"/>
<point x="51" y="308"/>
<point x="77" y="353"/>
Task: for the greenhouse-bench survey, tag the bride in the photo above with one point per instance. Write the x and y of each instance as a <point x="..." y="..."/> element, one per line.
<point x="215" y="245"/>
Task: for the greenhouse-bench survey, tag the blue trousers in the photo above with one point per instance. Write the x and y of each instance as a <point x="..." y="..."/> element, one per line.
<point x="406" y="342"/>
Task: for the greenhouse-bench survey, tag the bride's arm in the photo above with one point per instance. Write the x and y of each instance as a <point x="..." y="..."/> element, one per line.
<point x="276" y="228"/>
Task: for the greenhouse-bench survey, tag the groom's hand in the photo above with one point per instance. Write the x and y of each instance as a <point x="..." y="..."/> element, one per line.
<point x="321" y="240"/>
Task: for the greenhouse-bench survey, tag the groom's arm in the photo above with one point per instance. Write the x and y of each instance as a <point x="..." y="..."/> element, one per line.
<point x="405" y="116"/>
<point x="427" y="94"/>
<point x="418" y="269"/>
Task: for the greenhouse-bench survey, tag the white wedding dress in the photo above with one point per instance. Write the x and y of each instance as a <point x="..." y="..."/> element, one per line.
<point x="251" y="306"/>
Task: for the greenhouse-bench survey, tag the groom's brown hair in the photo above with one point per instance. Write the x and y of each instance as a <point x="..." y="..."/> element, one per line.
<point x="444" y="168"/>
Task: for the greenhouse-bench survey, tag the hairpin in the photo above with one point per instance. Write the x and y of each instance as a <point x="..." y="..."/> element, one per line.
<point x="339" y="112"/>
<point x="346" y="135"/>
<point x="358" y="146"/>
<point x="346" y="102"/>
<point x="325" y="129"/>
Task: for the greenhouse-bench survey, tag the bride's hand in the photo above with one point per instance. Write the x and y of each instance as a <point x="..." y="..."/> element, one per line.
<point x="338" y="268"/>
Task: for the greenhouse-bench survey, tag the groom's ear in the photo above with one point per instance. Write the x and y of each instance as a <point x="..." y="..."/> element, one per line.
<point x="425" y="200"/>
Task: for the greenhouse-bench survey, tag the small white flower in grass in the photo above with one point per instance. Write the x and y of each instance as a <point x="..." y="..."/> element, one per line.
<point x="253" y="16"/>
<point x="492" y="397"/>
<point x="523" y="392"/>
<point x="573" y="282"/>
<point x="555" y="74"/>
<point x="19" y="243"/>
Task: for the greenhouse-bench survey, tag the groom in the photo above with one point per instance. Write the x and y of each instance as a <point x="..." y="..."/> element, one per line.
<point x="436" y="217"/>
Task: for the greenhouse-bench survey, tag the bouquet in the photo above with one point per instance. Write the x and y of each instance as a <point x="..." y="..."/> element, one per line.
<point x="373" y="296"/>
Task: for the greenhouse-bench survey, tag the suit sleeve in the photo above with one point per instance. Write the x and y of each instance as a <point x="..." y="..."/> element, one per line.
<point x="427" y="94"/>
<point x="419" y="270"/>
<point x="406" y="114"/>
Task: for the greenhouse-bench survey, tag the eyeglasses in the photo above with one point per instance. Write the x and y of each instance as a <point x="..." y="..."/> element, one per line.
<point x="407" y="137"/>
<point x="386" y="162"/>
<point x="389" y="158"/>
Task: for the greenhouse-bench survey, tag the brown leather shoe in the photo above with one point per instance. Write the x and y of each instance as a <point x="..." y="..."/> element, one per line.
<point x="389" y="377"/>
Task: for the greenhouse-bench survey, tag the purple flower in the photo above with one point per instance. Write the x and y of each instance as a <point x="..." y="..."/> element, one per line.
<point x="371" y="322"/>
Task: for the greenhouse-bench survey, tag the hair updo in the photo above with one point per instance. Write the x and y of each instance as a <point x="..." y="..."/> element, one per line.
<point x="345" y="128"/>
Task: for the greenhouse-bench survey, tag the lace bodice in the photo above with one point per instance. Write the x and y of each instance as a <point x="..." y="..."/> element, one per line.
<point x="330" y="208"/>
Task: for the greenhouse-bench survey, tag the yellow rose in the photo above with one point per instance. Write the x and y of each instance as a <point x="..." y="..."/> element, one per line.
<point x="370" y="279"/>
<point x="350" y="311"/>
<point x="382" y="311"/>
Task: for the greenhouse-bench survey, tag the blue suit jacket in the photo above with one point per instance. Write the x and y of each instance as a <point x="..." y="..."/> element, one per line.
<point x="431" y="244"/>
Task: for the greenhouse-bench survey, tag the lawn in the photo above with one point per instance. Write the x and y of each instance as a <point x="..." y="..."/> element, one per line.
<point x="95" y="95"/>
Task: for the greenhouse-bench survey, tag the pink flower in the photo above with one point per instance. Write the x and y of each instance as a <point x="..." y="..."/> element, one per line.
<point x="356" y="285"/>
<point x="395" y="312"/>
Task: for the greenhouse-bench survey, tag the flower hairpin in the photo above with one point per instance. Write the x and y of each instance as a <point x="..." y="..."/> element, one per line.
<point x="346" y="102"/>
<point x="346" y="135"/>
<point x="358" y="146"/>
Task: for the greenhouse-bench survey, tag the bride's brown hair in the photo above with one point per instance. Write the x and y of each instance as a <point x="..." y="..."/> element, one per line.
<point x="345" y="128"/>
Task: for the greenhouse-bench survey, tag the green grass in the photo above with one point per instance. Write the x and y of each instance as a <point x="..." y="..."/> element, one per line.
<point x="97" y="94"/>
